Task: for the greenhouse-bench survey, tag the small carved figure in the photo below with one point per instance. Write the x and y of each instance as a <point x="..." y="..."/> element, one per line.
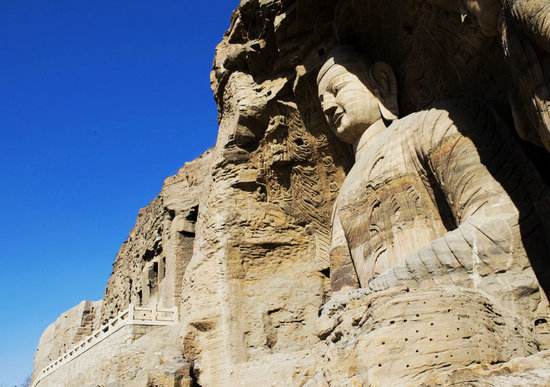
<point x="441" y="197"/>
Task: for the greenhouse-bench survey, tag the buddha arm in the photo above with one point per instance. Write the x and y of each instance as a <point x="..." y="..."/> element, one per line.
<point x="478" y="168"/>
<point x="342" y="270"/>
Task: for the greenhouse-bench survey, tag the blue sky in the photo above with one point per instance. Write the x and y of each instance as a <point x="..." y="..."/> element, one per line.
<point x="99" y="102"/>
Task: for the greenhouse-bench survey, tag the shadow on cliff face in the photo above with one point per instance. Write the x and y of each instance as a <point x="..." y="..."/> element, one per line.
<point x="434" y="54"/>
<point x="540" y="159"/>
<point x="519" y="168"/>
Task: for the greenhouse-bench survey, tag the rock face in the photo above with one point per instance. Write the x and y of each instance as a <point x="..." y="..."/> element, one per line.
<point x="68" y="329"/>
<point x="148" y="271"/>
<point x="149" y="267"/>
<point x="370" y="229"/>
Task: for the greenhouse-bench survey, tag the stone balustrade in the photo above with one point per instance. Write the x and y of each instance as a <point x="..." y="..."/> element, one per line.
<point x="134" y="315"/>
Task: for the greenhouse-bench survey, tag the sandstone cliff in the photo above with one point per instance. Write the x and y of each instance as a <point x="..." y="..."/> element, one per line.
<point x="69" y="328"/>
<point x="239" y="239"/>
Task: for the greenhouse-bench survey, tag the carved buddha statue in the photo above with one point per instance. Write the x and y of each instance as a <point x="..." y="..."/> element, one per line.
<point x="442" y="197"/>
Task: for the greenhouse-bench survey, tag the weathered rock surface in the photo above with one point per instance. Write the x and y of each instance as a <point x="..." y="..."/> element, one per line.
<point x="163" y="235"/>
<point x="133" y="356"/>
<point x="240" y="239"/>
<point x="148" y="270"/>
<point x="71" y="327"/>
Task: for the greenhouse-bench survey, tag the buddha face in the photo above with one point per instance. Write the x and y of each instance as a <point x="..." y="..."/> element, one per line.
<point x="348" y="104"/>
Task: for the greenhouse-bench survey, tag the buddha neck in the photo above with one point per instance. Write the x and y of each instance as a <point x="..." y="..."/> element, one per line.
<point x="362" y="145"/>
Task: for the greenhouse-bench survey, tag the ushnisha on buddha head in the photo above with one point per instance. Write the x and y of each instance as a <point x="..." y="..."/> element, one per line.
<point x="355" y="94"/>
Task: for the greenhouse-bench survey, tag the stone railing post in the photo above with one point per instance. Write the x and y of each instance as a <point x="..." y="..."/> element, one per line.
<point x="175" y="313"/>
<point x="131" y="312"/>
<point x="154" y="312"/>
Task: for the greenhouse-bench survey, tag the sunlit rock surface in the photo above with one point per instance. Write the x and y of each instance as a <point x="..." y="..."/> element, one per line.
<point x="240" y="240"/>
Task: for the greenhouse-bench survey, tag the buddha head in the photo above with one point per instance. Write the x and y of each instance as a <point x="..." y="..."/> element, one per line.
<point x="354" y="94"/>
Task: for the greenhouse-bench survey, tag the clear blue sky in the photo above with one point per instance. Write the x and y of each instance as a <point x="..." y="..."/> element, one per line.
<point x="99" y="102"/>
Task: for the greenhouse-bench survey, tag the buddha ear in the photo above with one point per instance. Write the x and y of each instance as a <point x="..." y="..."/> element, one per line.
<point x="385" y="89"/>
